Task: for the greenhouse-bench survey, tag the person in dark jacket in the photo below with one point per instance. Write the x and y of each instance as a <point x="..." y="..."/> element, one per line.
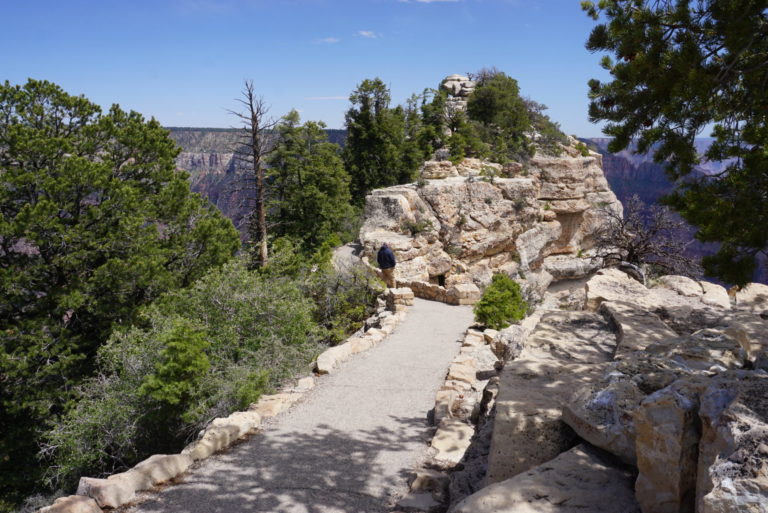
<point x="386" y="259"/>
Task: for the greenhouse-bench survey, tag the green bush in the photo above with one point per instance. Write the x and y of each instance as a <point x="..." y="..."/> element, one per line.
<point x="195" y="354"/>
<point x="502" y="303"/>
<point x="582" y="149"/>
<point x="203" y="352"/>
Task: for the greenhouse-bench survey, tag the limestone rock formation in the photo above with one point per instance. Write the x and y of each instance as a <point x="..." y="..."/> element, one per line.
<point x="458" y="88"/>
<point x="463" y="223"/>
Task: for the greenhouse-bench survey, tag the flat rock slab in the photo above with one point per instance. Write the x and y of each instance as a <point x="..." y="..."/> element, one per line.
<point x="636" y="327"/>
<point x="564" y="352"/>
<point x="579" y="480"/>
<point x="349" y="444"/>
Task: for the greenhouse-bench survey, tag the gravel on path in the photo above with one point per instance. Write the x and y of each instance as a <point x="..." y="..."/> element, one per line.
<point x="348" y="445"/>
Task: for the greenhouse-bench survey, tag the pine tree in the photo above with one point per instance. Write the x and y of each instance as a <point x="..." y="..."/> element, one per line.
<point x="310" y="188"/>
<point x="376" y="141"/>
<point x="678" y="68"/>
<point x="95" y="221"/>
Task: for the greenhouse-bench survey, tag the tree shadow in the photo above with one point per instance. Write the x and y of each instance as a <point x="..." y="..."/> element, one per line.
<point x="325" y="471"/>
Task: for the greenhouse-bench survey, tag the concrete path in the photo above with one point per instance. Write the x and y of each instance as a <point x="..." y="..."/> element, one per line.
<point x="348" y="446"/>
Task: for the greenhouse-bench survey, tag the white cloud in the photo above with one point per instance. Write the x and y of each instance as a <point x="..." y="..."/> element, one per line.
<point x="368" y="33"/>
<point x="325" y="98"/>
<point x="329" y="40"/>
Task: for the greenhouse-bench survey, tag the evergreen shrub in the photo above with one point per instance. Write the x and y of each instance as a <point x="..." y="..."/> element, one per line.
<point x="502" y="303"/>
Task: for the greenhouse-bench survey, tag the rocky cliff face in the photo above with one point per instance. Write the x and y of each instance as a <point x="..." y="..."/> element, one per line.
<point x="462" y="223"/>
<point x="208" y="156"/>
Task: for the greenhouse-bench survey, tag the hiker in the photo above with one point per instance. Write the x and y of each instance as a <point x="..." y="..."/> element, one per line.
<point x="386" y="260"/>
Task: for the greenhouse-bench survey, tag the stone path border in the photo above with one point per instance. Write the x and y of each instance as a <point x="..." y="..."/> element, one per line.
<point x="120" y="489"/>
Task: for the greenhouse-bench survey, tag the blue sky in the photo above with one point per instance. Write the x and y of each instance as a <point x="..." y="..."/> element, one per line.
<point x="184" y="61"/>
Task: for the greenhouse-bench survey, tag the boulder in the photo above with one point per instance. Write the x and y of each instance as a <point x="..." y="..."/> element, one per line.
<point x="528" y="429"/>
<point x="684" y="319"/>
<point x="271" y="405"/>
<point x="214" y="439"/>
<point x="473" y="338"/>
<point x="400" y="296"/>
<point x="702" y="351"/>
<point x="581" y="479"/>
<point x="464" y="294"/>
<point x="715" y="295"/>
<point x="115" y="491"/>
<point x="573" y="337"/>
<point x="754" y="297"/>
<point x="246" y="422"/>
<point x="462" y="372"/>
<point x="681" y="284"/>
<point x="509" y="342"/>
<point x="565" y="267"/>
<point x="602" y="411"/>
<point x="614" y="285"/>
<point x="164" y="467"/>
<point x="601" y="415"/>
<point x="360" y="344"/>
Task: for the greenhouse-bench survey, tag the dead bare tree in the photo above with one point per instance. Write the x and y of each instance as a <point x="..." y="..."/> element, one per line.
<point x="250" y="153"/>
<point x="645" y="238"/>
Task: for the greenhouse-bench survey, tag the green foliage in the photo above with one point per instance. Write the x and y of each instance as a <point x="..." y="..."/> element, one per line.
<point x="502" y="303"/>
<point x="582" y="149"/>
<point x="343" y="299"/>
<point x="182" y="364"/>
<point x="678" y="68"/>
<point x="310" y="188"/>
<point x="249" y="331"/>
<point x="549" y="137"/>
<point x="502" y="117"/>
<point x="95" y="221"/>
<point x="379" y="150"/>
<point x="417" y="227"/>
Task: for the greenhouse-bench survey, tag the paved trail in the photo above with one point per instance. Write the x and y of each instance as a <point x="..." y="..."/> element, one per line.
<point x="348" y="445"/>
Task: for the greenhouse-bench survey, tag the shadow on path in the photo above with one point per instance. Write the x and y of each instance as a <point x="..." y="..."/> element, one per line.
<point x="326" y="471"/>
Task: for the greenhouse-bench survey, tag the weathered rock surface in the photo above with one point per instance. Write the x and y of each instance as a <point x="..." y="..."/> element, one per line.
<point x="72" y="504"/>
<point x="451" y="440"/>
<point x="753" y="297"/>
<point x="636" y="328"/>
<point x="733" y="451"/>
<point x="476" y="218"/>
<point x="564" y="352"/>
<point x="120" y="489"/>
<point x="667" y="444"/>
<point x="581" y="479"/>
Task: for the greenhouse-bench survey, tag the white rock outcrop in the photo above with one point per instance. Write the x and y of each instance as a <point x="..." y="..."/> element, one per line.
<point x="465" y="222"/>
